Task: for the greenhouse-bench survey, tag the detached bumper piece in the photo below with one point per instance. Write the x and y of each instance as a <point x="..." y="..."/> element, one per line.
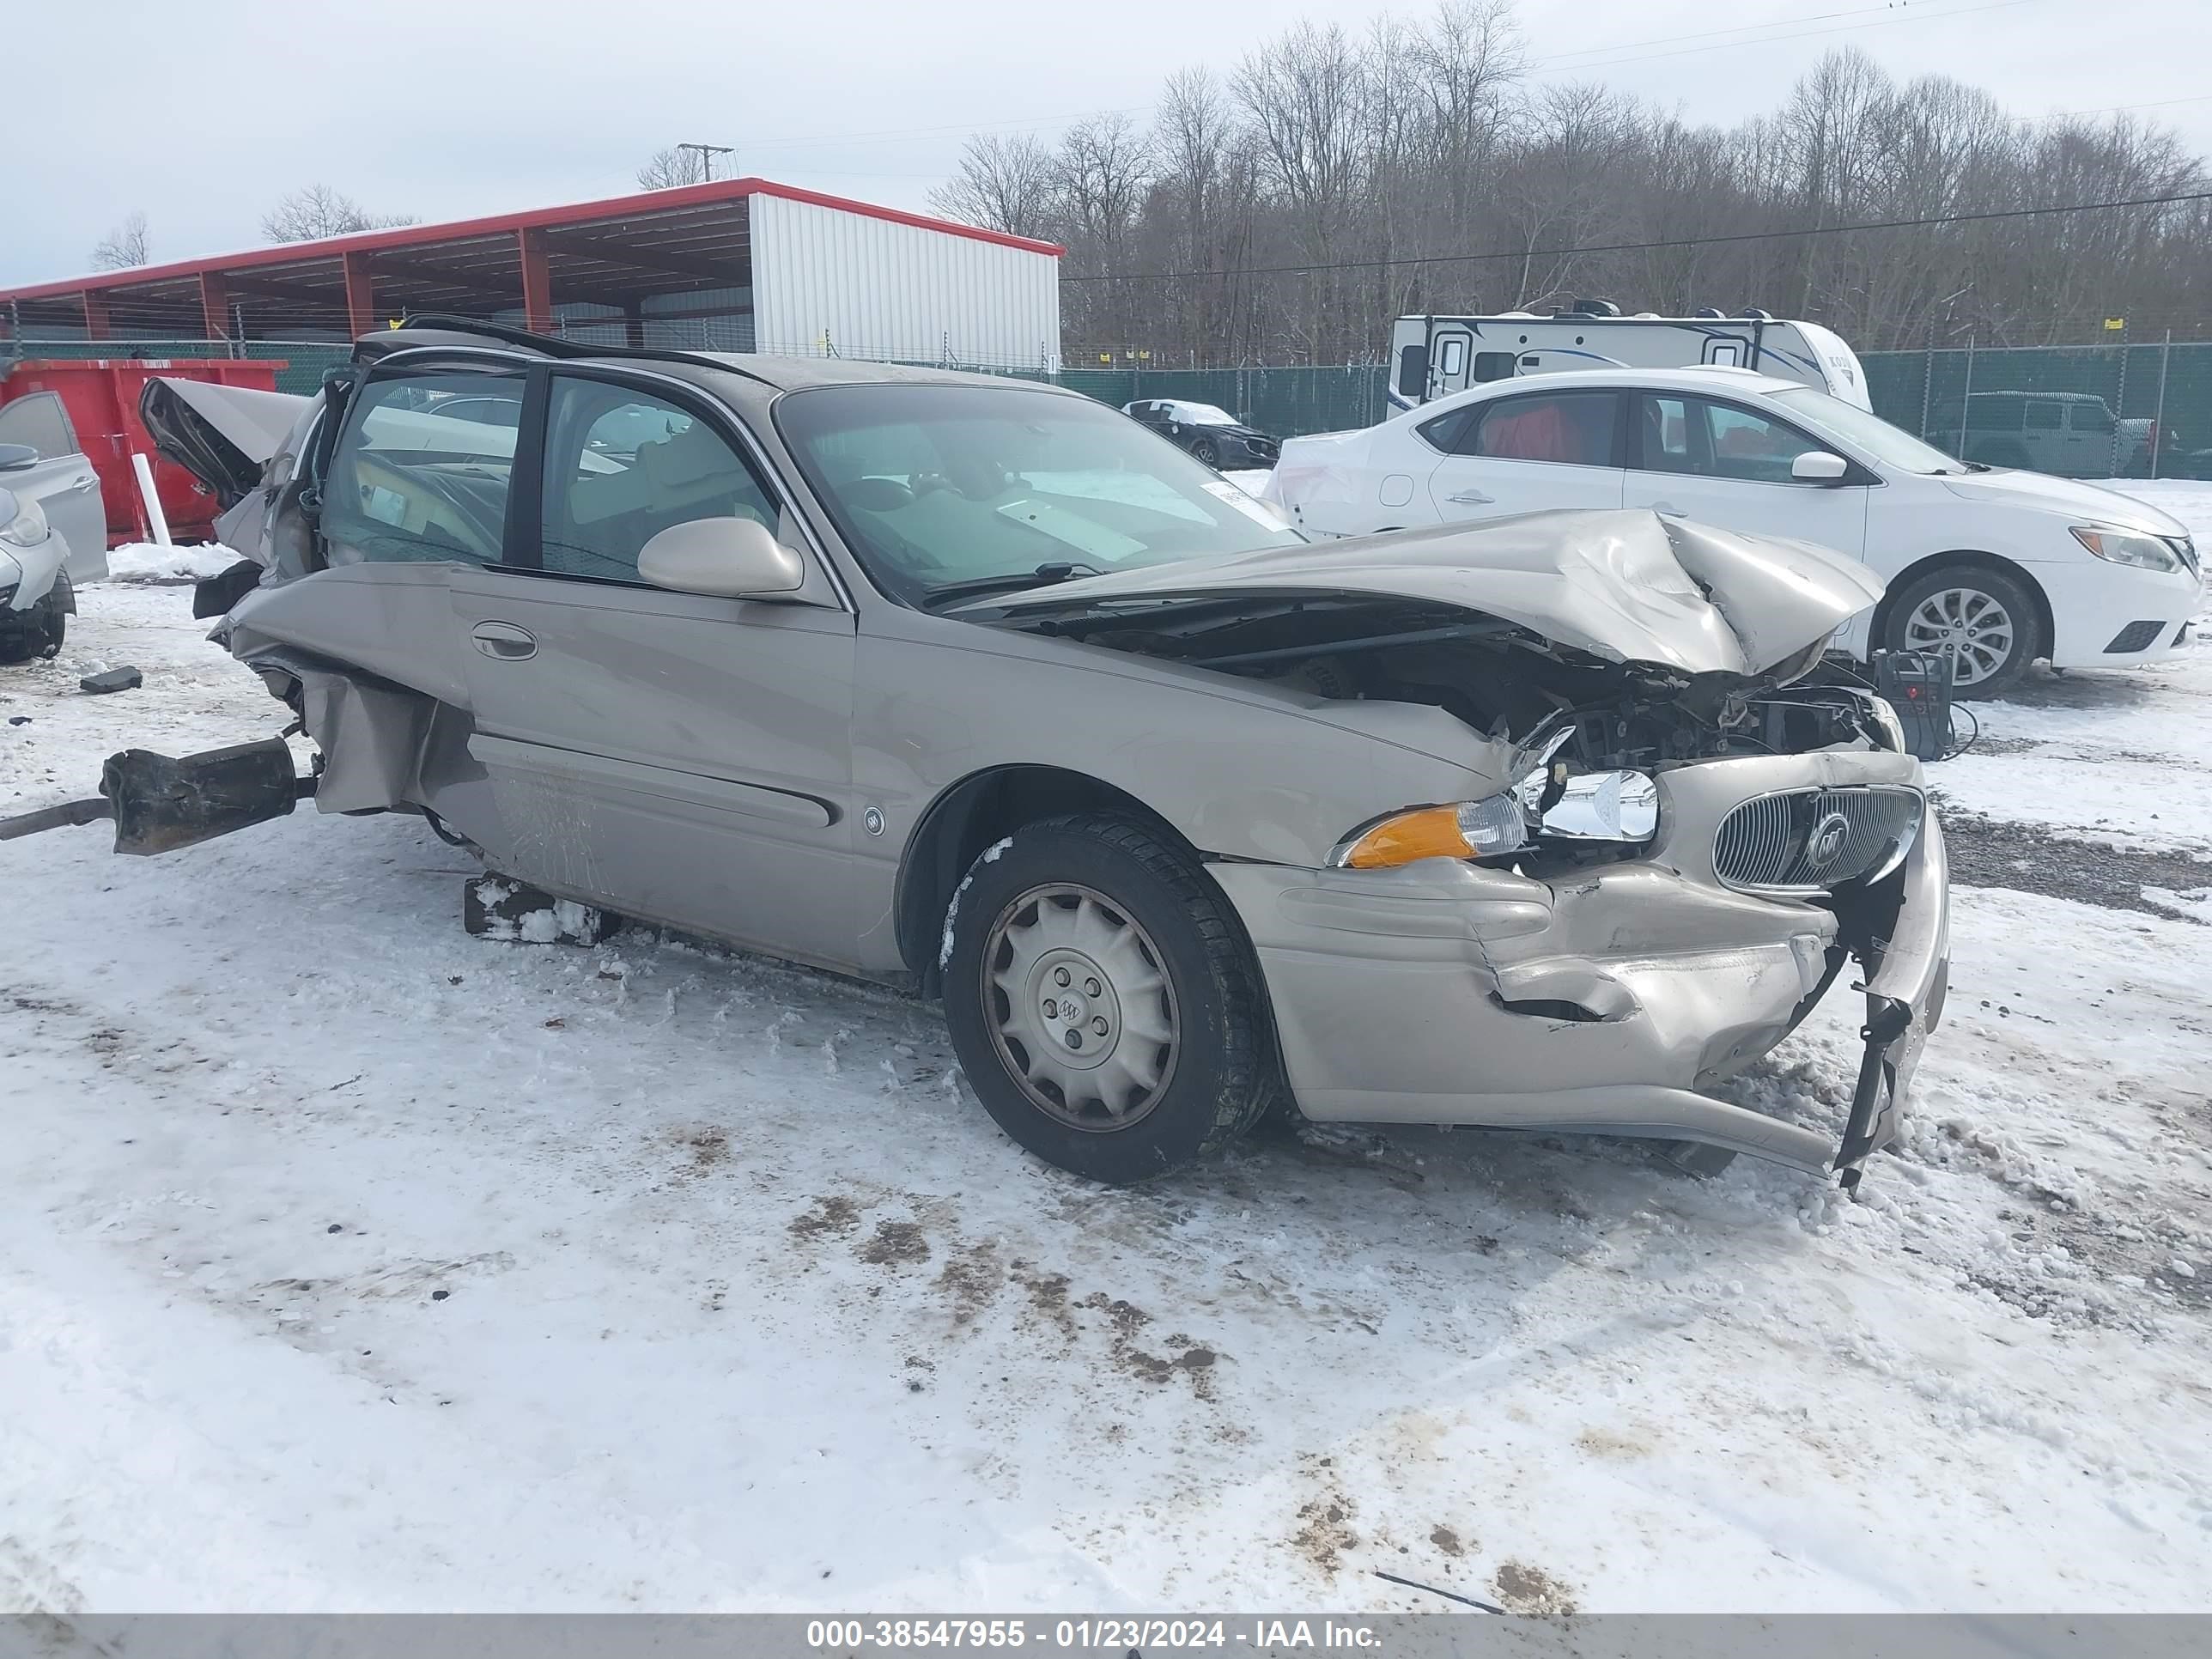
<point x="1900" y="931"/>
<point x="160" y="804"/>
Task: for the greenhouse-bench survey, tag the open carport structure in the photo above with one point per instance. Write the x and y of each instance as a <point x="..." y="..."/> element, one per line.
<point x="735" y="264"/>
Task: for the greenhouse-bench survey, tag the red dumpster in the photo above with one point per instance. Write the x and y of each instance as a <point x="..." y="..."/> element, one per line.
<point x="101" y="396"/>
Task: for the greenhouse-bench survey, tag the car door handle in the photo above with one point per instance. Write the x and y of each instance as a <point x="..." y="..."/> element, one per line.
<point x="1472" y="498"/>
<point x="85" y="483"/>
<point x="504" y="640"/>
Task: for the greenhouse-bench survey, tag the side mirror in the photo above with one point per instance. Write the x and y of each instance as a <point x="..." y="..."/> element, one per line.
<point x="13" y="458"/>
<point x="1819" y="466"/>
<point x="727" y="558"/>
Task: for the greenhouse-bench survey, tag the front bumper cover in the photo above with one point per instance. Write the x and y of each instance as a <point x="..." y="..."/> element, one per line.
<point x="1607" y="1001"/>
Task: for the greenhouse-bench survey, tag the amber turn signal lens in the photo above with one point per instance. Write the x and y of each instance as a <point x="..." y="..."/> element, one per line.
<point x="1470" y="829"/>
<point x="1431" y="833"/>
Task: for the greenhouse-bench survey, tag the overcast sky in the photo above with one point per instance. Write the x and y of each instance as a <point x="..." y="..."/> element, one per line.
<point x="468" y="107"/>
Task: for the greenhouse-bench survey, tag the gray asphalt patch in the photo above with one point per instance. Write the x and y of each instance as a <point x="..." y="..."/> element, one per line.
<point x="1992" y="853"/>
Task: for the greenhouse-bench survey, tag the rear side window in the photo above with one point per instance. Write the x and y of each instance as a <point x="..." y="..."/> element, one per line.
<point x="1442" y="433"/>
<point x="621" y="466"/>
<point x="39" y="421"/>
<point x="421" y="475"/>
<point x="1573" y="429"/>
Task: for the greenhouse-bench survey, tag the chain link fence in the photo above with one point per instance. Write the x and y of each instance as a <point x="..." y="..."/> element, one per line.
<point x="2118" y="411"/>
<point x="2138" y="411"/>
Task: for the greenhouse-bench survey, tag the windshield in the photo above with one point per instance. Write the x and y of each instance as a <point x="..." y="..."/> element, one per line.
<point x="934" y="486"/>
<point x="1869" y="434"/>
<point x="1200" y="415"/>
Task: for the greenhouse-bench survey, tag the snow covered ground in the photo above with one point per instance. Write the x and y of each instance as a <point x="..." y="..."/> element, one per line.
<point x="349" y="1262"/>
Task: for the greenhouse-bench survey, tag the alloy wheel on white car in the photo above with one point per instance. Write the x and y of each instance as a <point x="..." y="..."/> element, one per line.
<point x="1974" y="628"/>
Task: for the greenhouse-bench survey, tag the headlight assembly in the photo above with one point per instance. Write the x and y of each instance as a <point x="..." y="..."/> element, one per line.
<point x="2127" y="547"/>
<point x="1619" y="807"/>
<point x="1470" y="829"/>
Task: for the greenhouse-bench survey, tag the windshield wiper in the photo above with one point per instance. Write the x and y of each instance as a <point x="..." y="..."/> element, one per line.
<point x="1044" y="576"/>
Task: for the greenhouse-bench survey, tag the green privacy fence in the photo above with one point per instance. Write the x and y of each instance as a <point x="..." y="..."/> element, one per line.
<point x="2134" y="411"/>
<point x="304" y="361"/>
<point x="1287" y="402"/>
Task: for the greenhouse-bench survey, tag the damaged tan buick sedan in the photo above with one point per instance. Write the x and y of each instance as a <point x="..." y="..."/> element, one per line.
<point x="979" y="688"/>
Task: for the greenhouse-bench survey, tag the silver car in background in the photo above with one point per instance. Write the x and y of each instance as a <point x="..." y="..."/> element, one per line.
<point x="53" y="526"/>
<point x="978" y="687"/>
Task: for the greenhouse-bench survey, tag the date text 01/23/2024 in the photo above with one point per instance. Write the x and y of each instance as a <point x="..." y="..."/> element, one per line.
<point x="1119" y="1635"/>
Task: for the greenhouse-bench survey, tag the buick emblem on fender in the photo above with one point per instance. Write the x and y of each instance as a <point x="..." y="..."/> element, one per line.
<point x="1826" y="844"/>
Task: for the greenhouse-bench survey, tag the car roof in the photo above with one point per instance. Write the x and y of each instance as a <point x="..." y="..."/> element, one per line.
<point x="778" y="374"/>
<point x="1717" y="379"/>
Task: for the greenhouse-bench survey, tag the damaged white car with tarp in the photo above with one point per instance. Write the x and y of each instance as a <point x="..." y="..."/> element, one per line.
<point x="977" y="687"/>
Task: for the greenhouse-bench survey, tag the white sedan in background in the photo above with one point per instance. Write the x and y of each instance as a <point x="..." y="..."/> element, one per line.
<point x="1999" y="567"/>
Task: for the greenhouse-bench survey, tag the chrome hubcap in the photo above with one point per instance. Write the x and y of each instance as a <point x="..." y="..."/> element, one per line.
<point x="1972" y="627"/>
<point x="1080" y="1007"/>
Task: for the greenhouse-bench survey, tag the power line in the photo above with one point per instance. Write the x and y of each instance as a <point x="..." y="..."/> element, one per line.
<point x="1642" y="247"/>
<point x="2156" y="103"/>
<point x="1877" y="16"/>
<point x="1709" y="34"/>
<point x="1796" y="34"/>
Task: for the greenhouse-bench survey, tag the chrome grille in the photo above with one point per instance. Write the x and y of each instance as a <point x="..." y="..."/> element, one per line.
<point x="1805" y="840"/>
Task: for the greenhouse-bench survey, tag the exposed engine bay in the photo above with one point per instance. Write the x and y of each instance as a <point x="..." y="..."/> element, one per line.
<point x="1504" y="681"/>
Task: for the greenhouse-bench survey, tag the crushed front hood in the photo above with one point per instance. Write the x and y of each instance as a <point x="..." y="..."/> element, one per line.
<point x="1624" y="587"/>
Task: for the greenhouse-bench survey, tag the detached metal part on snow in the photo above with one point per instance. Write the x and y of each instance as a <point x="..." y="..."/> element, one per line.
<point x="160" y="804"/>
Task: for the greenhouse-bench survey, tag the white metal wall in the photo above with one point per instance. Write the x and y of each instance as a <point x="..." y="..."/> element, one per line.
<point x="875" y="288"/>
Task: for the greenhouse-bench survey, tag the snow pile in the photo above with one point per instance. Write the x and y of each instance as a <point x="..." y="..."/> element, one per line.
<point x="150" y="562"/>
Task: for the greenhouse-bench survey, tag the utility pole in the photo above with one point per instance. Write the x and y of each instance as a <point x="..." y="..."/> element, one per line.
<point x="707" y="155"/>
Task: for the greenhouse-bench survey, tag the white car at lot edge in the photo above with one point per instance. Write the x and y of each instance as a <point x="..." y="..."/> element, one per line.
<point x="2001" y="567"/>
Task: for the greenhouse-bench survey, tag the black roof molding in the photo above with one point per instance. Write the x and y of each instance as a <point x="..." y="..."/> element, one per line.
<point x="439" y="328"/>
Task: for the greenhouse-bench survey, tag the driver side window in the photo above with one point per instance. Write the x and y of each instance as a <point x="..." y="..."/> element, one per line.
<point x="1697" y="436"/>
<point x="621" y="466"/>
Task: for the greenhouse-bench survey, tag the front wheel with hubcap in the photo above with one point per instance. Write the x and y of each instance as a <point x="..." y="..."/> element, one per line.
<point x="1102" y="1000"/>
<point x="1206" y="452"/>
<point x="1983" y="619"/>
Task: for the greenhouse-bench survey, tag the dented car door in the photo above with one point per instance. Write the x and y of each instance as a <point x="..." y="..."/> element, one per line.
<point x="680" y="757"/>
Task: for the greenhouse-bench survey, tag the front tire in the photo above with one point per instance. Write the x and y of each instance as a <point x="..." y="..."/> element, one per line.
<point x="37" y="633"/>
<point x="1987" y="619"/>
<point x="1103" y="1000"/>
<point x="1206" y="453"/>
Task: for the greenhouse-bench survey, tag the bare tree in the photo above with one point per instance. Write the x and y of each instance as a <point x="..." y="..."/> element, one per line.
<point x="664" y="169"/>
<point x="1302" y="92"/>
<point x="1005" y="182"/>
<point x="1335" y="181"/>
<point x="315" y="212"/>
<point x="124" y="246"/>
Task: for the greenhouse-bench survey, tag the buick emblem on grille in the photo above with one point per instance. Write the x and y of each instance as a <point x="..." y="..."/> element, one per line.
<point x="1826" y="844"/>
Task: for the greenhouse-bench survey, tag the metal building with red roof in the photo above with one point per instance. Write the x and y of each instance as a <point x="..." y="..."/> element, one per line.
<point x="734" y="264"/>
